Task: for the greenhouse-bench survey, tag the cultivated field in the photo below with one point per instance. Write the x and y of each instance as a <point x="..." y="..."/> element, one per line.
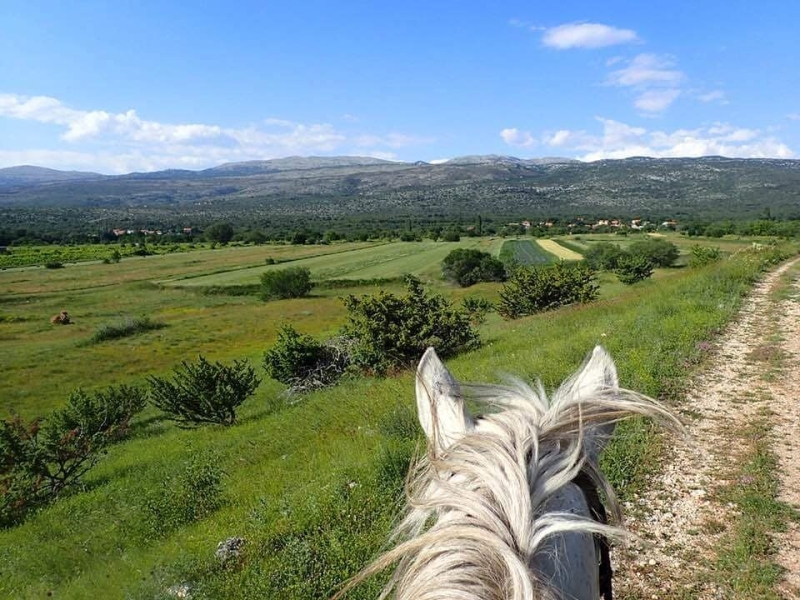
<point x="311" y="483"/>
<point x="375" y="262"/>
<point x="526" y="252"/>
<point x="562" y="252"/>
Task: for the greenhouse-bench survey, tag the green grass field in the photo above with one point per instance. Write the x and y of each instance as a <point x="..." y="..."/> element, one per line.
<point x="525" y="252"/>
<point x="311" y="484"/>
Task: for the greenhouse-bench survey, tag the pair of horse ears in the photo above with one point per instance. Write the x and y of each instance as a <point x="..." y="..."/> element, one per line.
<point x="445" y="418"/>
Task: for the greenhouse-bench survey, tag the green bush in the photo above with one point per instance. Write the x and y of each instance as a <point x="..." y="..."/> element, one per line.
<point x="106" y="411"/>
<point x="294" y="282"/>
<point x="39" y="460"/>
<point x="660" y="253"/>
<point x="392" y="331"/>
<point x="603" y="256"/>
<point x="125" y="328"/>
<point x="477" y="308"/>
<point x="468" y="266"/>
<point x="54" y="264"/>
<point x="632" y="268"/>
<point x="704" y="255"/>
<point x="530" y="291"/>
<point x="204" y="392"/>
<point x="303" y="363"/>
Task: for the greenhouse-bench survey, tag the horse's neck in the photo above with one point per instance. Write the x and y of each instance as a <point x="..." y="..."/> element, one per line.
<point x="568" y="562"/>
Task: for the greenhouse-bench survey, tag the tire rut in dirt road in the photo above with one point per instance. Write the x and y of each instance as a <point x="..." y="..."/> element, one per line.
<point x="681" y="518"/>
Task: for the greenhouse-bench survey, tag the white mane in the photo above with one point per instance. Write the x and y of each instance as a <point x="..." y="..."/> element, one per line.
<point x="480" y="520"/>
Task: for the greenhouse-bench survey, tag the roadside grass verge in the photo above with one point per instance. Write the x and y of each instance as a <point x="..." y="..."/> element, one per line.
<point x="313" y="487"/>
<point x="124" y="328"/>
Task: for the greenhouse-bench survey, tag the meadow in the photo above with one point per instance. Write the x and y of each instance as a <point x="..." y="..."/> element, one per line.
<point x="310" y="482"/>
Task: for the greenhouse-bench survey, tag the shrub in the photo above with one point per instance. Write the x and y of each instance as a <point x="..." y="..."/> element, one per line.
<point x="468" y="266"/>
<point x="204" y="392"/>
<point x="106" y="411"/>
<point x="303" y="363"/>
<point x="294" y="282"/>
<point x="125" y="328"/>
<point x="632" y="268"/>
<point x="704" y="255"/>
<point x="603" y="256"/>
<point x="660" y="253"/>
<point x="54" y="264"/>
<point x="392" y="331"/>
<point x="477" y="308"/>
<point x="451" y="236"/>
<point x="529" y="291"/>
<point x="39" y="460"/>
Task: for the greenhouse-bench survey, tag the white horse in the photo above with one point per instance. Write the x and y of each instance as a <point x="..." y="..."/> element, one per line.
<point x="506" y="506"/>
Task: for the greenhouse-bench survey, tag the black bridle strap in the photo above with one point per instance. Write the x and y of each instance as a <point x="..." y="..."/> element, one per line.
<point x="598" y="512"/>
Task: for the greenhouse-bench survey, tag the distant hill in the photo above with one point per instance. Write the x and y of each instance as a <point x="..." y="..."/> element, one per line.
<point x="293" y="163"/>
<point x="319" y="188"/>
<point x="30" y="175"/>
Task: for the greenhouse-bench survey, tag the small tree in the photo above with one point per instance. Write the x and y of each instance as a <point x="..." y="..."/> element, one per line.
<point x="660" y="253"/>
<point x="603" y="256"/>
<point x="529" y="291"/>
<point x="293" y="282"/>
<point x="393" y="331"/>
<point x="468" y="266"/>
<point x="221" y="233"/>
<point x="632" y="268"/>
<point x="204" y="392"/>
<point x="40" y="459"/>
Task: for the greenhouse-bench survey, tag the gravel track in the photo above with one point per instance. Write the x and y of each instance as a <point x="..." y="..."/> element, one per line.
<point x="681" y="520"/>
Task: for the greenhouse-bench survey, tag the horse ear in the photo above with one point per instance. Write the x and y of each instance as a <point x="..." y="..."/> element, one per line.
<point x="440" y="406"/>
<point x="598" y="374"/>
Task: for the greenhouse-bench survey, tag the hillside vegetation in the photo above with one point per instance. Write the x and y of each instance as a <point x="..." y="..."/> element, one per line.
<point x="310" y="482"/>
<point x="331" y="191"/>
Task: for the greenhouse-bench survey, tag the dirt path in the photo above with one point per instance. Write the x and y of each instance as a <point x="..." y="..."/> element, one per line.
<point x="753" y="374"/>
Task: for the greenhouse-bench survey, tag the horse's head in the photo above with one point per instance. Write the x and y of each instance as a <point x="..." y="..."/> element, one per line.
<point x="505" y="506"/>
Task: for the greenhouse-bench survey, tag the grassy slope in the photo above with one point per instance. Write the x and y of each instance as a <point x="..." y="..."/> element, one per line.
<point x="312" y="486"/>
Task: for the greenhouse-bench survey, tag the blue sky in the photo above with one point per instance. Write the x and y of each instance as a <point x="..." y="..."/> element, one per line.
<point x="143" y="85"/>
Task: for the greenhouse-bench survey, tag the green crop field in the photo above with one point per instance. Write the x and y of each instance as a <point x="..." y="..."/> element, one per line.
<point x="387" y="261"/>
<point x="525" y="252"/>
<point x="310" y="482"/>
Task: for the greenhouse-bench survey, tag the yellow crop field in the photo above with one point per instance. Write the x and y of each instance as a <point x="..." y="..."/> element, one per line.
<point x="560" y="251"/>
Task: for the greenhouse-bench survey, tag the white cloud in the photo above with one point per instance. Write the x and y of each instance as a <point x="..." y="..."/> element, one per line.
<point x="147" y="145"/>
<point x="713" y="96"/>
<point x="654" y="79"/>
<point x="653" y="101"/>
<point x="646" y="70"/>
<point x="793" y="116"/>
<point x="619" y="140"/>
<point x="587" y="35"/>
<point x="515" y="137"/>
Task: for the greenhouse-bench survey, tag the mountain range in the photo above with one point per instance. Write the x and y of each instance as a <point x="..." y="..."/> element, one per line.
<point x="329" y="187"/>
